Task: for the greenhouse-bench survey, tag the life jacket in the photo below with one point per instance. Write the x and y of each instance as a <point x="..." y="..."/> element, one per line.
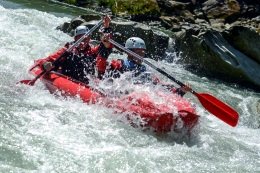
<point x="137" y="69"/>
<point x="120" y="66"/>
<point x="78" y="64"/>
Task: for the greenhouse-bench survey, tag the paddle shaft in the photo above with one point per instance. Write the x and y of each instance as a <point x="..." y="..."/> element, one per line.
<point x="68" y="50"/>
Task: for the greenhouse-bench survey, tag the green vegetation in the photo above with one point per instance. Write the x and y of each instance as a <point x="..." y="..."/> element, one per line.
<point x="131" y="7"/>
<point x="124" y="7"/>
<point x="71" y="1"/>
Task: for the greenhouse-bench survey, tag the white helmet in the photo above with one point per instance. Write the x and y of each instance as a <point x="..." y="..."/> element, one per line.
<point x="81" y="30"/>
<point x="135" y="43"/>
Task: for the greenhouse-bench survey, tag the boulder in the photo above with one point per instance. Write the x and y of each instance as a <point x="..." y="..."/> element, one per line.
<point x="69" y="27"/>
<point x="226" y="9"/>
<point x="210" y="54"/>
<point x="173" y="7"/>
<point x="246" y="40"/>
<point x="89" y="17"/>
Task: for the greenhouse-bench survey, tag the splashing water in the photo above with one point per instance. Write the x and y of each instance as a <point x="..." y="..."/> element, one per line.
<point x="42" y="133"/>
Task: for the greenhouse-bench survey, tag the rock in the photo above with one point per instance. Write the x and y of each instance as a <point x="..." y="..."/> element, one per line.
<point x="200" y="21"/>
<point x="156" y="41"/>
<point x="89" y="17"/>
<point x="218" y="24"/>
<point x="187" y="16"/>
<point x="69" y="27"/>
<point x="166" y="21"/>
<point x="250" y="8"/>
<point x="76" y="22"/>
<point x="175" y="28"/>
<point x="209" y="53"/>
<point x="169" y="21"/>
<point x="64" y="27"/>
<point x="227" y="9"/>
<point x="256" y="20"/>
<point x="246" y="40"/>
<point x="173" y="7"/>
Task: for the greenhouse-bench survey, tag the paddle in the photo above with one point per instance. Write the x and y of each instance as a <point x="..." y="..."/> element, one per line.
<point x="31" y="82"/>
<point x="210" y="103"/>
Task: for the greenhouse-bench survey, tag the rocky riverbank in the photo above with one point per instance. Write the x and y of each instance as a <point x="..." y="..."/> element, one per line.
<point x="218" y="38"/>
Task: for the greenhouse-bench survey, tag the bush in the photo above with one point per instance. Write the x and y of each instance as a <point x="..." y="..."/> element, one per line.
<point x="74" y="2"/>
<point x="131" y="7"/>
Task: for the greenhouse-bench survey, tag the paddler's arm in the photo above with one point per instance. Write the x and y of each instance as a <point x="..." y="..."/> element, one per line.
<point x="105" y="47"/>
<point x="180" y="91"/>
<point x="101" y="59"/>
<point x="46" y="63"/>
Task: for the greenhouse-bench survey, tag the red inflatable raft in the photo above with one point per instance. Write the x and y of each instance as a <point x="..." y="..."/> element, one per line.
<point x="170" y="112"/>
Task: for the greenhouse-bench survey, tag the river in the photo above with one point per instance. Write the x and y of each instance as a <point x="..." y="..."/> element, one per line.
<point x="40" y="132"/>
